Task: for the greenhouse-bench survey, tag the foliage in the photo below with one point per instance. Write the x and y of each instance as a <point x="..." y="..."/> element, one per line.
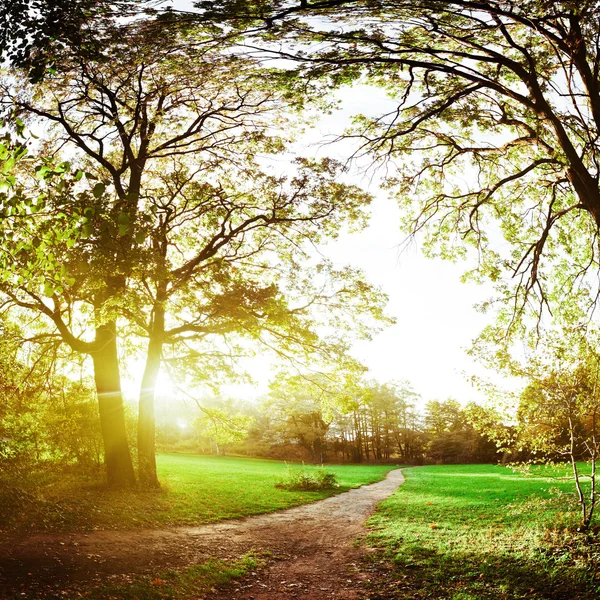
<point x="222" y="423"/>
<point x="325" y="419"/>
<point x="44" y="416"/>
<point x="558" y="417"/>
<point x="478" y="89"/>
<point x="554" y="415"/>
<point x="37" y="35"/>
<point x="382" y="420"/>
<point x="451" y="438"/>
<point x="303" y="480"/>
<point x="483" y="532"/>
<point x="489" y="139"/>
<point x="300" y="408"/>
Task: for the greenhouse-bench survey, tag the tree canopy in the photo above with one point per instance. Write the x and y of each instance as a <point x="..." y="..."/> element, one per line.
<point x="494" y="133"/>
<point x="164" y="218"/>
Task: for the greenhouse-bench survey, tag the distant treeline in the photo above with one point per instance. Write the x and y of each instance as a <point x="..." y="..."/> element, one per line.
<point x="50" y="419"/>
<point x="379" y="423"/>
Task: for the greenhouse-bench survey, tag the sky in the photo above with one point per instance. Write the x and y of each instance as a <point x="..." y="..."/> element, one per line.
<point x="436" y="321"/>
<point x="435" y="314"/>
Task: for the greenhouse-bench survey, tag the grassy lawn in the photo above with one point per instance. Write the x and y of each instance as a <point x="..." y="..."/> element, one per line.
<point x="195" y="489"/>
<point x="473" y="532"/>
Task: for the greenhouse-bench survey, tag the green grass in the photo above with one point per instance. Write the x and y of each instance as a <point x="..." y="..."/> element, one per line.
<point x="473" y="532"/>
<point x="196" y="489"/>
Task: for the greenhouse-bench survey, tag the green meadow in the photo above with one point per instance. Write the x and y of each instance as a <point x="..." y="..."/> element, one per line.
<point x="195" y="489"/>
<point x="473" y="532"/>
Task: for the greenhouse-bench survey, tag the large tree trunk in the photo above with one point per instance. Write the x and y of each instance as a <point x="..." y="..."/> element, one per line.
<point x="117" y="458"/>
<point x="146" y="418"/>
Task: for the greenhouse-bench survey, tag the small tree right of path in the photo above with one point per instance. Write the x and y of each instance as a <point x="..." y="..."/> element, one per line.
<point x="558" y="418"/>
<point x="554" y="420"/>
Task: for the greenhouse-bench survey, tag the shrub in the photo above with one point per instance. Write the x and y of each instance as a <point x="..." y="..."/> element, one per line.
<point x="307" y="481"/>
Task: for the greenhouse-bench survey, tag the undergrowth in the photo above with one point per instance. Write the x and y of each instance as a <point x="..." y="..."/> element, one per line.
<point x="296" y="479"/>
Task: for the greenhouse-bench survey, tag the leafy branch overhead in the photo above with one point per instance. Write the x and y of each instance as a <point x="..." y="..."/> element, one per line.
<point x="492" y="130"/>
<point x="492" y="126"/>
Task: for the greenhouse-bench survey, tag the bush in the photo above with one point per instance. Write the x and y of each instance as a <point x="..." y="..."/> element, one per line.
<point x="307" y="481"/>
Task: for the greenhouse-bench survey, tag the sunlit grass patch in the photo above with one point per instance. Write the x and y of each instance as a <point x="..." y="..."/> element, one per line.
<point x="481" y="531"/>
<point x="196" y="489"/>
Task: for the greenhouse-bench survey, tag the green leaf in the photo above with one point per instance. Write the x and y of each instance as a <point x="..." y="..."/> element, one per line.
<point x="48" y="289"/>
<point x="86" y="231"/>
<point x="9" y="163"/>
<point x="20" y="126"/>
<point x="123" y="221"/>
<point x="99" y="189"/>
<point x="42" y="171"/>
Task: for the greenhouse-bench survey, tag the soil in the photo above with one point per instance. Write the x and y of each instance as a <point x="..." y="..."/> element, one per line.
<point x="312" y="548"/>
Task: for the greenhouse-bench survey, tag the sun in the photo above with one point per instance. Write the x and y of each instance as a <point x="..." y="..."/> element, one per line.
<point x="164" y="389"/>
<point x="164" y="386"/>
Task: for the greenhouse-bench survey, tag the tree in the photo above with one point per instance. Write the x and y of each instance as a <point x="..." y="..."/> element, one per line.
<point x="503" y="91"/>
<point x="222" y="422"/>
<point x="552" y="417"/>
<point x="178" y="202"/>
<point x="242" y="242"/>
<point x="559" y="414"/>
<point x="36" y="35"/>
<point x="494" y="130"/>
<point x="452" y="436"/>
<point x="302" y="406"/>
<point x="45" y="415"/>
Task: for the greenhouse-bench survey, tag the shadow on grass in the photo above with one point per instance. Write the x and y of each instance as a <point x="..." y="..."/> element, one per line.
<point x="459" y="576"/>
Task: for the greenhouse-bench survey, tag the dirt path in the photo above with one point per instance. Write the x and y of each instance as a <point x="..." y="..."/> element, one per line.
<point x="312" y="546"/>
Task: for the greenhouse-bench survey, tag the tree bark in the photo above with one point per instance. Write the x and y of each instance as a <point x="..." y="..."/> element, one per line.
<point x="117" y="458"/>
<point x="146" y="417"/>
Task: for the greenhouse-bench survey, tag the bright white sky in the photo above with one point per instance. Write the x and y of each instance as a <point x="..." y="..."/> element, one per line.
<point x="436" y="321"/>
<point x="435" y="317"/>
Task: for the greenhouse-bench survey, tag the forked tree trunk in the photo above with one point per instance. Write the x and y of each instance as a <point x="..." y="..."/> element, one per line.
<point x="117" y="458"/>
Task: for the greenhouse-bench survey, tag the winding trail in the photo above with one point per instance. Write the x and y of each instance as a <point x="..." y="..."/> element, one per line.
<point x="311" y="545"/>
